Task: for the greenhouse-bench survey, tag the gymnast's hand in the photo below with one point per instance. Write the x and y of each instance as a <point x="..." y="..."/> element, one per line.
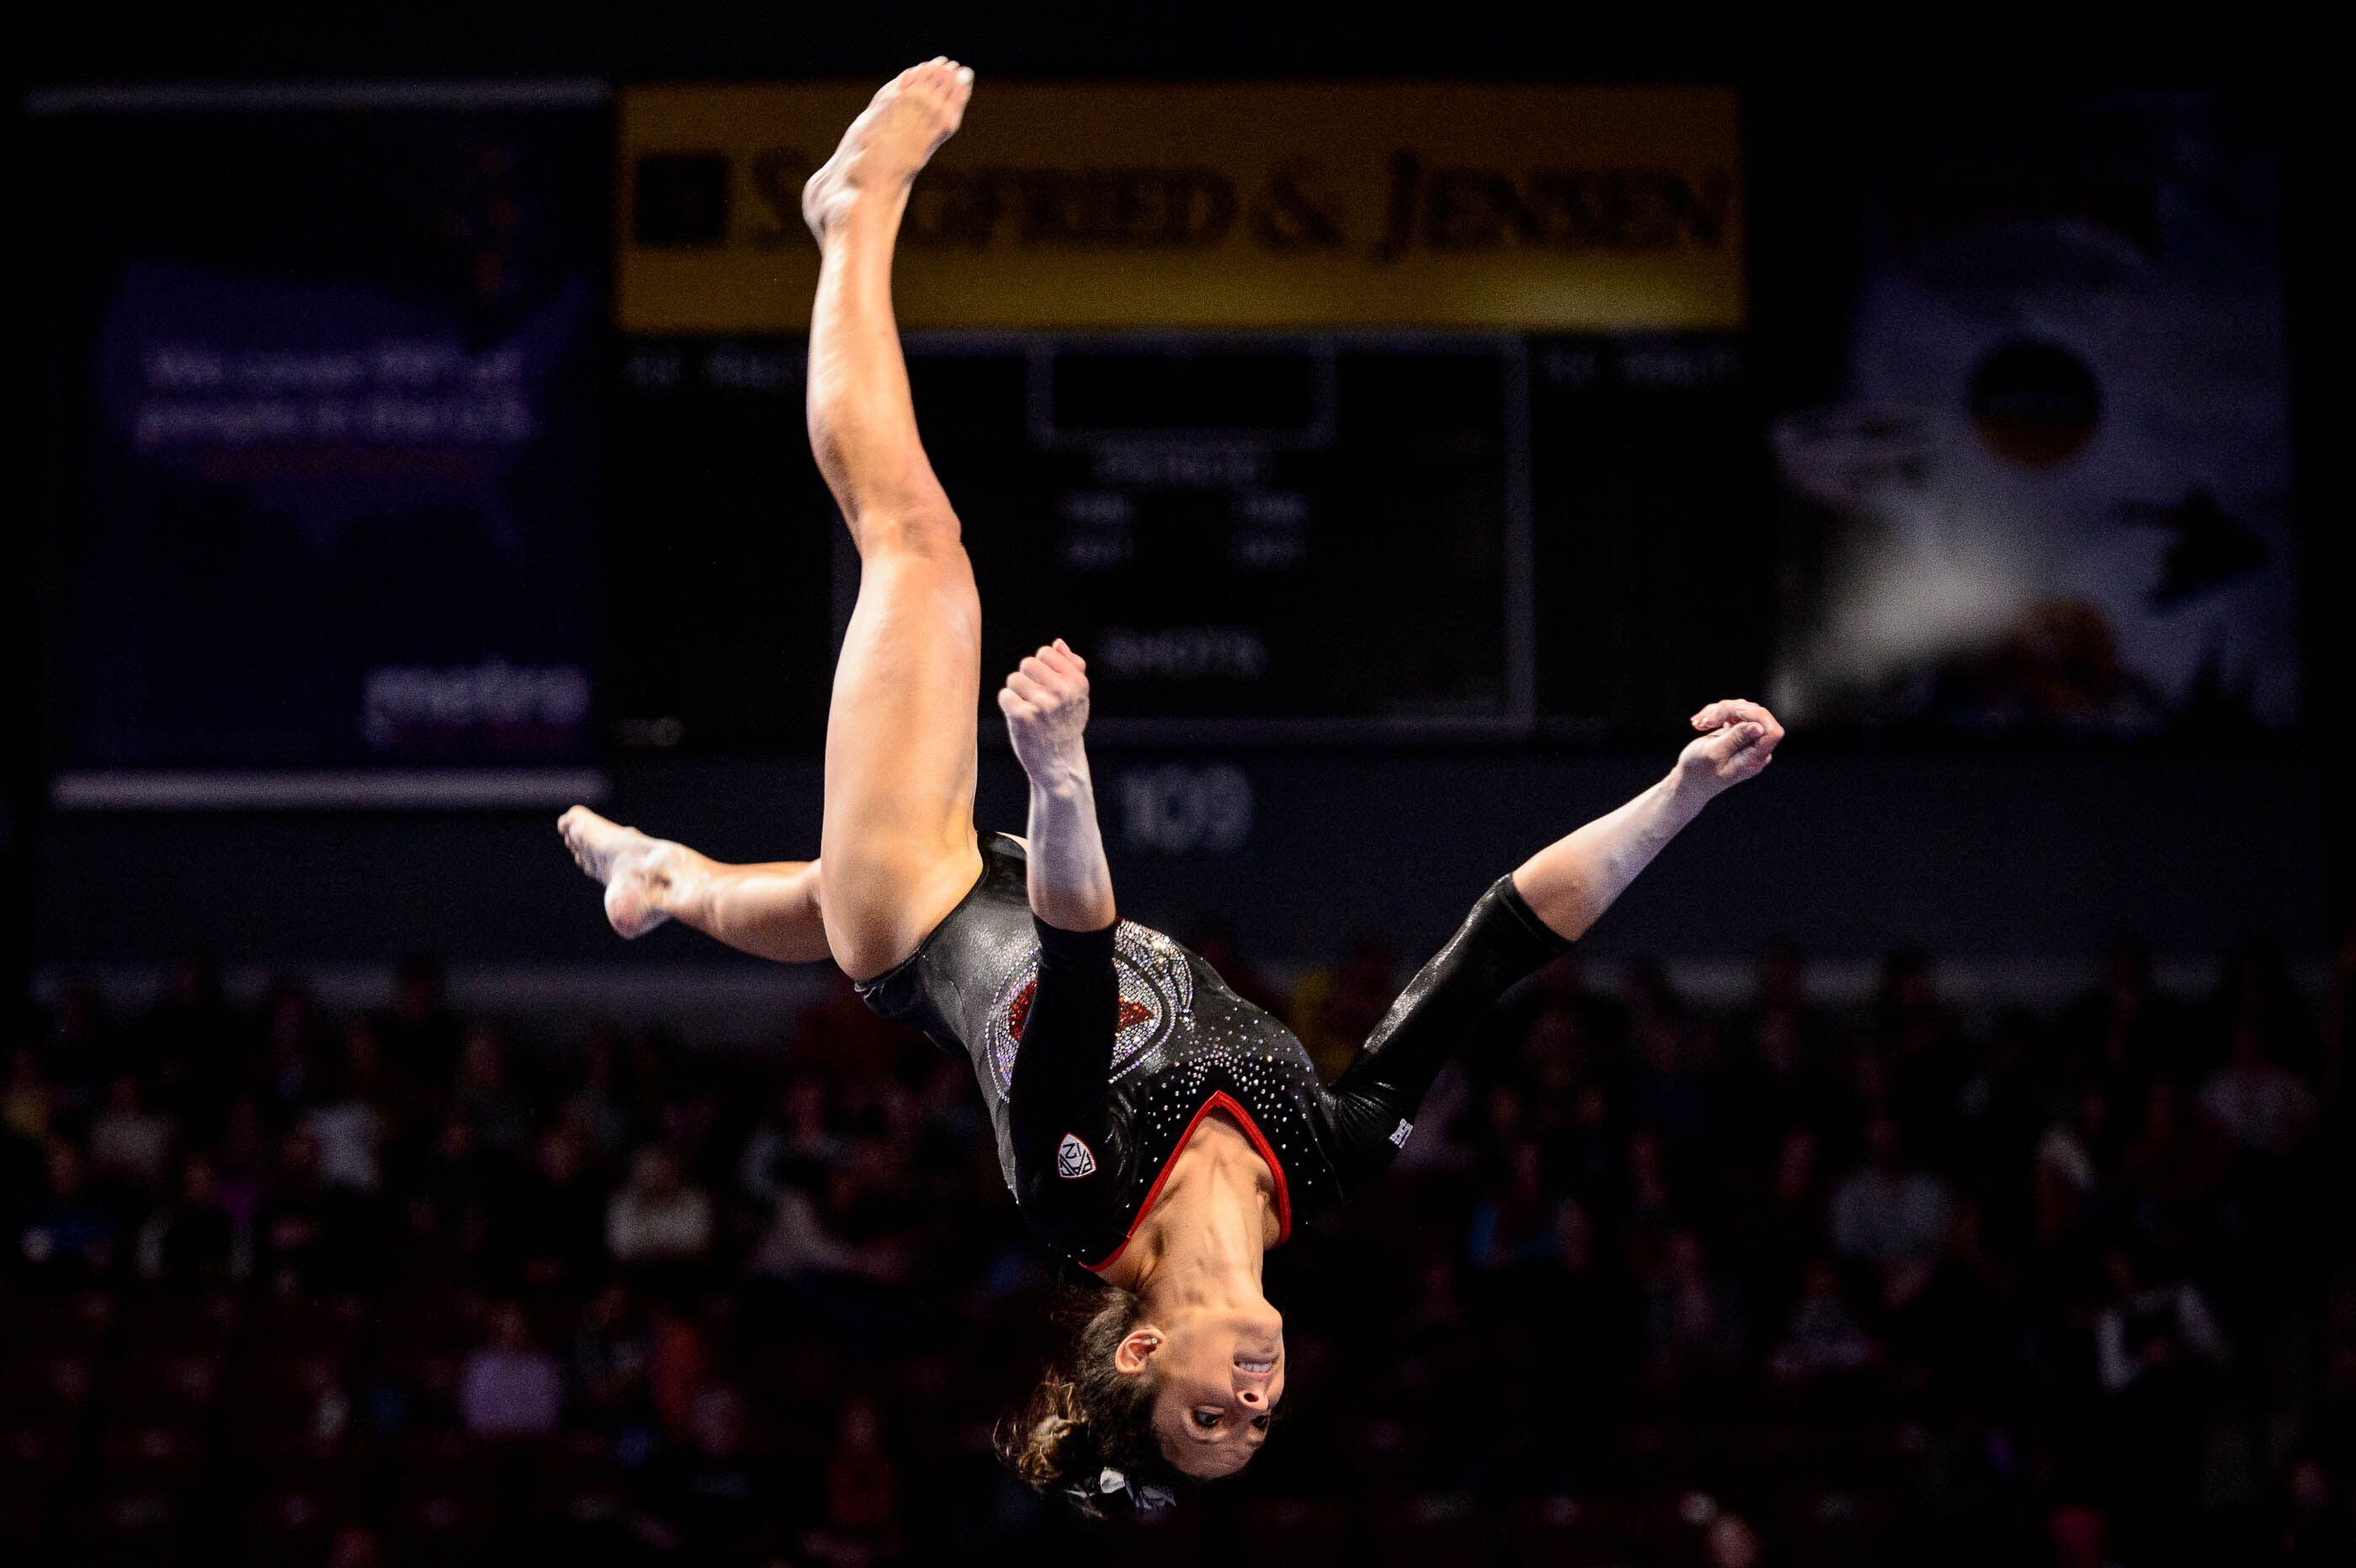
<point x="1045" y="702"/>
<point x="1738" y="740"/>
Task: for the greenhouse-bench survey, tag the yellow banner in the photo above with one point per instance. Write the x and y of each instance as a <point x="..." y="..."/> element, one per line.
<point x="1264" y="206"/>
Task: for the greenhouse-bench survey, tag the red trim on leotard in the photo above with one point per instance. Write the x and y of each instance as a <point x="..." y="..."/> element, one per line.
<point x="1221" y="1100"/>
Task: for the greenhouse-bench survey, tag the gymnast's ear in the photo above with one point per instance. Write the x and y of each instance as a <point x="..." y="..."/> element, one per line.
<point x="1134" y="1354"/>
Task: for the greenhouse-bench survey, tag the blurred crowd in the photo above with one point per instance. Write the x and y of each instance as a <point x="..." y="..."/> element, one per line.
<point x="1653" y="1283"/>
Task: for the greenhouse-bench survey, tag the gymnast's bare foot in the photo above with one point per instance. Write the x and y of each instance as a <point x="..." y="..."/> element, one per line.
<point x="911" y="116"/>
<point x="637" y="872"/>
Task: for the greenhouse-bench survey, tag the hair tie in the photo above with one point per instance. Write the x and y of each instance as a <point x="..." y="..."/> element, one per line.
<point x="1145" y="1499"/>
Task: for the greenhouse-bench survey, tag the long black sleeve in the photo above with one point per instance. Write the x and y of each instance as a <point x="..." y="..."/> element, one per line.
<point x="1058" y="1099"/>
<point x="1501" y="943"/>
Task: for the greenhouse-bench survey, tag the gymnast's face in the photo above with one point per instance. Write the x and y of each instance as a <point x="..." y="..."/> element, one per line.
<point x="1221" y="1373"/>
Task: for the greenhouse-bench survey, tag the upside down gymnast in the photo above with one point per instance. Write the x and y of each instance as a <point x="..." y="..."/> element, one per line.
<point x="1154" y="1127"/>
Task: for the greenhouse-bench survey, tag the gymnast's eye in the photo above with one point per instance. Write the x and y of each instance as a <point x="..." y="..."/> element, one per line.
<point x="1206" y="1419"/>
<point x="1260" y="1422"/>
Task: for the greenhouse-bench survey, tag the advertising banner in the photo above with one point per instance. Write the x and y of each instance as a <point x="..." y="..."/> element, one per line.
<point x="326" y="486"/>
<point x="1284" y="206"/>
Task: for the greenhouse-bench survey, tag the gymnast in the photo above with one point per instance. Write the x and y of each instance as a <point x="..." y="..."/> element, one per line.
<point x="1154" y="1127"/>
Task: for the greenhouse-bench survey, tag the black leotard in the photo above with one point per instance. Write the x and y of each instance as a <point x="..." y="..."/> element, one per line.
<point x="1100" y="1052"/>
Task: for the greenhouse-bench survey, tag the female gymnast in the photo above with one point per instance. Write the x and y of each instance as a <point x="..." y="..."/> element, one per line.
<point x="1154" y="1127"/>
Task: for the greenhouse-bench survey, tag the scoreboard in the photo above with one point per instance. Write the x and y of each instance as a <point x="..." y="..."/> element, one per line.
<point x="1272" y="538"/>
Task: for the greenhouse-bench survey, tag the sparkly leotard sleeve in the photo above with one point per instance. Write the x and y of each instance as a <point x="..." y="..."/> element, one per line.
<point x="1100" y="1052"/>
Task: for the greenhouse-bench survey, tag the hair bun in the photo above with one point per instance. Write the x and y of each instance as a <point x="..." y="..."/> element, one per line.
<point x="1046" y="1454"/>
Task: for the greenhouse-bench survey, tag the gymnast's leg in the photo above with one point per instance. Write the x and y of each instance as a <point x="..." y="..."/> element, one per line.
<point x="896" y="850"/>
<point x="897" y="839"/>
<point x="769" y="910"/>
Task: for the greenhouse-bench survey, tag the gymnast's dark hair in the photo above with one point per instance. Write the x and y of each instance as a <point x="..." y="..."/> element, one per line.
<point x="1087" y="1416"/>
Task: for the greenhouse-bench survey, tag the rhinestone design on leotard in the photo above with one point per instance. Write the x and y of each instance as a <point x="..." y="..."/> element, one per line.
<point x="1157" y="995"/>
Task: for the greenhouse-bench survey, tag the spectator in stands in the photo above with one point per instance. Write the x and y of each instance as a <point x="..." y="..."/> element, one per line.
<point x="294" y="1040"/>
<point x="344" y="1118"/>
<point x="1334" y="1009"/>
<point x="1588" y="1149"/>
<point x="862" y="1483"/>
<point x="1824" y="1338"/>
<point x="419" y="1032"/>
<point x="656" y="1216"/>
<point x="1520" y="1222"/>
<point x="295" y="1245"/>
<point x="2255" y="988"/>
<point x="2262" y="1106"/>
<point x="67" y="1237"/>
<point x="1730" y="1543"/>
<point x="2175" y="1160"/>
<point x="2157" y="1348"/>
<point x="2065" y="1182"/>
<point x="792" y="1142"/>
<point x="1773" y="1083"/>
<point x="711" y="1498"/>
<point x="240" y="1159"/>
<point x="553" y="1231"/>
<point x="1958" y="1332"/>
<point x="2124" y="1028"/>
<point x="509" y="1386"/>
<point x="2077" y="1534"/>
<point x="2005" y="1100"/>
<point x="594" y="1108"/>
<point x="1918" y="1047"/>
<point x="501" y="1118"/>
<point x="26" y="1100"/>
<point x="868" y="1201"/>
<point x="1550" y="1064"/>
<point x="689" y="1125"/>
<point x="679" y="1365"/>
<point x="130" y="1145"/>
<point x="190" y="1028"/>
<point x="1664" y="1091"/>
<point x="355" y="1547"/>
<point x="1890" y="1214"/>
<point x="1693" y="1324"/>
<point x="2149" y="1329"/>
<point x="1213" y="937"/>
<point x="2315" y="1527"/>
<point x="801" y="1245"/>
<point x="1652" y="1210"/>
<point x="81" y="1029"/>
<point x="1782" y="1218"/>
<point x="192" y="1240"/>
<point x="456" y="1192"/>
<point x="609" y="1356"/>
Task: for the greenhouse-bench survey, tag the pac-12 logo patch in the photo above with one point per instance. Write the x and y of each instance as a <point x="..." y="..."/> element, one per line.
<point x="1400" y="1132"/>
<point x="1072" y="1159"/>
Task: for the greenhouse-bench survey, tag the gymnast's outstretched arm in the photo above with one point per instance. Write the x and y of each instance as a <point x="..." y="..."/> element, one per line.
<point x="1045" y="702"/>
<point x="1571" y="882"/>
<point x="770" y="910"/>
<point x="1524" y="920"/>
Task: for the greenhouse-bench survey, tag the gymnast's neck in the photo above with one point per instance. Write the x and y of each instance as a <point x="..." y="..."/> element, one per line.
<point x="1204" y="1241"/>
